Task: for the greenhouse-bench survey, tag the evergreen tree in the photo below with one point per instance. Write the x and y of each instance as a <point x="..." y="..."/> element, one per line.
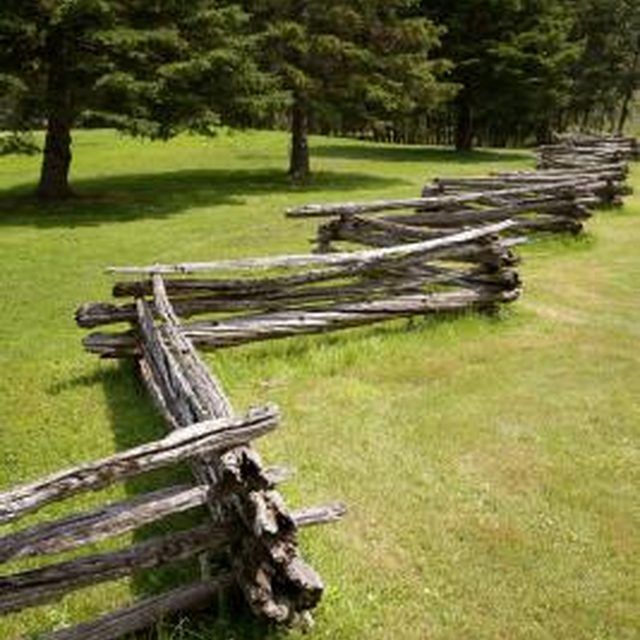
<point x="608" y="73"/>
<point x="354" y="63"/>
<point x="512" y="59"/>
<point x="149" y="68"/>
<point x="532" y="69"/>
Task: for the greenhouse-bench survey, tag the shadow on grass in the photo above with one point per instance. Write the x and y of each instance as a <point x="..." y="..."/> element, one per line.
<point x="155" y="195"/>
<point x="392" y="153"/>
<point x="135" y="422"/>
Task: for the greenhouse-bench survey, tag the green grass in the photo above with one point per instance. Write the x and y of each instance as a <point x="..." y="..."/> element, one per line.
<point x="490" y="465"/>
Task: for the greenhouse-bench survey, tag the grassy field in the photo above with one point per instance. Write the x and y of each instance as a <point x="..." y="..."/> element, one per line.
<point x="490" y="465"/>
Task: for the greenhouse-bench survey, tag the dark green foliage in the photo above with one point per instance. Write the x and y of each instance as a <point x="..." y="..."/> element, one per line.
<point x="531" y="67"/>
<point x="348" y="66"/>
<point x="148" y="68"/>
<point x="608" y="72"/>
<point x="513" y="59"/>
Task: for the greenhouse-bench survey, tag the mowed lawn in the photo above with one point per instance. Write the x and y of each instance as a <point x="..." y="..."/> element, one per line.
<point x="490" y="466"/>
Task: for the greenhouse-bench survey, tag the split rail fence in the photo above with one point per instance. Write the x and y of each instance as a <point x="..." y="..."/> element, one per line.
<point x="446" y="252"/>
<point x="307" y="294"/>
<point x="573" y="177"/>
<point x="249" y="541"/>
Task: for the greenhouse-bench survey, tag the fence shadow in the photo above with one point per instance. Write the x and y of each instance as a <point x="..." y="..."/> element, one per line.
<point x="156" y="195"/>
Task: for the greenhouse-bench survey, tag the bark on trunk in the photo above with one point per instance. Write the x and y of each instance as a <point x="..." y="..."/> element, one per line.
<point x="299" y="168"/>
<point x="464" y="125"/>
<point x="544" y="133"/>
<point x="54" y="176"/>
<point x="624" y="113"/>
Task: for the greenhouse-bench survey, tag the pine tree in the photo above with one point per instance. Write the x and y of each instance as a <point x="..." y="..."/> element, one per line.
<point x="513" y="60"/>
<point x="357" y="62"/>
<point x="149" y="68"/>
<point x="608" y="73"/>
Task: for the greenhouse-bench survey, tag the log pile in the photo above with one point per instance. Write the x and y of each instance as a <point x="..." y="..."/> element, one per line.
<point x="247" y="542"/>
<point x="573" y="177"/>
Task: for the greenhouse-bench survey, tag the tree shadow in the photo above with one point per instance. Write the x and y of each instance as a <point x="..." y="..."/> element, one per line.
<point x="392" y="153"/>
<point x="156" y="195"/>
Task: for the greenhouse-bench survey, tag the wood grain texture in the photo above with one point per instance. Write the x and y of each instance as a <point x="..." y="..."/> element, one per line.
<point x="198" y="439"/>
<point x="147" y="612"/>
<point x="31" y="588"/>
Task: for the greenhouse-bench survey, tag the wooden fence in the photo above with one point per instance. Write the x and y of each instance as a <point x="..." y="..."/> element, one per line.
<point x="587" y="152"/>
<point x="448" y="251"/>
<point x="574" y="177"/>
<point x="249" y="537"/>
<point x="317" y="293"/>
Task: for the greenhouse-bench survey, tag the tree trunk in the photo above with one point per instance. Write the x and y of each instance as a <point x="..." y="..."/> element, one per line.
<point x="544" y="133"/>
<point x="630" y="90"/>
<point x="299" y="167"/>
<point x="54" y="176"/>
<point x="464" y="124"/>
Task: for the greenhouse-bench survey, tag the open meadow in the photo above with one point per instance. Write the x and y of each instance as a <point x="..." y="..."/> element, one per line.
<point x="490" y="465"/>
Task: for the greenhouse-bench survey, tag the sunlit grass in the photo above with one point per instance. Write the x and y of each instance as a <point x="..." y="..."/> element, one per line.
<point x="490" y="465"/>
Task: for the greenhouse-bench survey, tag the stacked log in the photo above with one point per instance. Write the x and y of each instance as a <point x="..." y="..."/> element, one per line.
<point x="447" y="207"/>
<point x="580" y="151"/>
<point x="201" y="443"/>
<point x="263" y="558"/>
<point x="206" y="440"/>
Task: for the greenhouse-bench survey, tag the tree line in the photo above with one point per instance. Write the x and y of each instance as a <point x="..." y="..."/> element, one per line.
<point x="466" y="73"/>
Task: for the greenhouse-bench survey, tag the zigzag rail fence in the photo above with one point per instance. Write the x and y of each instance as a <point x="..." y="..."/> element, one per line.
<point x="446" y="252"/>
<point x="249" y="541"/>
<point x="573" y="177"/>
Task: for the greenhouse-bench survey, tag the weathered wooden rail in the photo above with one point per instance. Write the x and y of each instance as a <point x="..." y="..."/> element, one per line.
<point x="248" y="540"/>
<point x="587" y="152"/>
<point x="318" y="293"/>
<point x="574" y="177"/>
